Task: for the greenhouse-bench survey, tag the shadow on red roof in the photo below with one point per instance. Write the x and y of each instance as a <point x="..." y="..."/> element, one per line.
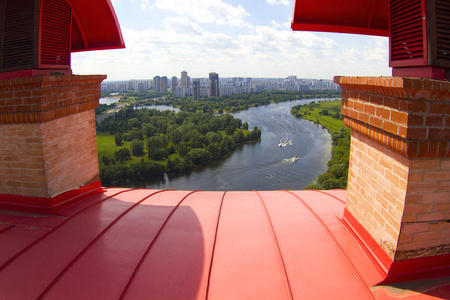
<point x="166" y="244"/>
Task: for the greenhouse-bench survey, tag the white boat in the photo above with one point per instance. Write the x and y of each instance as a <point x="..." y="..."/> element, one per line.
<point x="285" y="143"/>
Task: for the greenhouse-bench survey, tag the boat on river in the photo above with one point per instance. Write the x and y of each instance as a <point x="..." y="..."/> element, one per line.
<point x="285" y="143"/>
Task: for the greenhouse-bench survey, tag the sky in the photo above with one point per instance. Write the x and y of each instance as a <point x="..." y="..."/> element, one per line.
<point x="246" y="38"/>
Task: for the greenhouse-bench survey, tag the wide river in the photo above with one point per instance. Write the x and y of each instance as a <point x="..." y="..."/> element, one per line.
<point x="262" y="165"/>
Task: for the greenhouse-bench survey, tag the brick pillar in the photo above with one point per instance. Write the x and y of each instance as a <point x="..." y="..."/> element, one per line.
<point x="399" y="174"/>
<point x="48" y="151"/>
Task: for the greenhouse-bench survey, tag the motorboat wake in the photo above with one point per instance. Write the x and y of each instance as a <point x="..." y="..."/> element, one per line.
<point x="285" y="143"/>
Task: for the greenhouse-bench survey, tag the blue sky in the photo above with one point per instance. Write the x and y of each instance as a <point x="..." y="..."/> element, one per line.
<point x="249" y="38"/>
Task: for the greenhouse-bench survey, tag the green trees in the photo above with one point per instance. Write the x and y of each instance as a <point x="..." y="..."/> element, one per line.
<point x="199" y="156"/>
<point x="156" y="147"/>
<point x="180" y="140"/>
<point x="105" y="160"/>
<point x="118" y="138"/>
<point x="227" y="145"/>
<point x="143" y="170"/>
<point x="103" y="107"/>
<point x="137" y="147"/>
<point x="255" y="134"/>
<point x="148" y="130"/>
<point x="110" y="174"/>
<point x="214" y="149"/>
<point x="238" y="102"/>
<point x="122" y="155"/>
<point x="178" y="165"/>
<point x="213" y="137"/>
<point x="239" y="137"/>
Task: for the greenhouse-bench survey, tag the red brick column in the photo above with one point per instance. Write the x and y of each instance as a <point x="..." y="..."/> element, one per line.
<point x="48" y="138"/>
<point x="399" y="175"/>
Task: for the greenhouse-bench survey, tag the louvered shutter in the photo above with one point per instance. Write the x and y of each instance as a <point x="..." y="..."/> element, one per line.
<point x="34" y="34"/>
<point x="439" y="17"/>
<point x="420" y="33"/>
<point x="55" y="34"/>
<point x="17" y="33"/>
<point x="408" y="37"/>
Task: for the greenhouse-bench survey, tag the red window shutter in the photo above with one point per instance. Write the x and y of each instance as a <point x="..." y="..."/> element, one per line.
<point x="55" y="33"/>
<point x="407" y="32"/>
<point x="17" y="37"/>
<point x="443" y="32"/>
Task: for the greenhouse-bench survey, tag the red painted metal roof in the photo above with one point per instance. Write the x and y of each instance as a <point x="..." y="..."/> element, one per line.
<point x="95" y="26"/>
<point x="344" y="16"/>
<point x="166" y="244"/>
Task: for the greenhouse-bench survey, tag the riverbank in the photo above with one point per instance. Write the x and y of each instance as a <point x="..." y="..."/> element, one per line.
<point x="328" y="115"/>
<point x="219" y="105"/>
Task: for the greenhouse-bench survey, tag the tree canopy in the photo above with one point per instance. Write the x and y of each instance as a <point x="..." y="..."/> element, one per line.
<point x="176" y="141"/>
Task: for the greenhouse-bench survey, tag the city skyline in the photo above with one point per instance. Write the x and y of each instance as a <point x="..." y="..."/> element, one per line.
<point x="211" y="86"/>
<point x="232" y="38"/>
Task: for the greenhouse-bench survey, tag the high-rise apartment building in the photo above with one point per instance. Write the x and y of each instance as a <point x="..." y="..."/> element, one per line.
<point x="196" y="88"/>
<point x="184" y="80"/>
<point x="292" y="78"/>
<point x="157" y="84"/>
<point x="213" y="85"/>
<point x="163" y="87"/>
<point x="174" y="85"/>
<point x="160" y="84"/>
<point x="132" y="85"/>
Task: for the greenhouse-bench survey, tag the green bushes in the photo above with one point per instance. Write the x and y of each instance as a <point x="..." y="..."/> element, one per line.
<point x="143" y="170"/>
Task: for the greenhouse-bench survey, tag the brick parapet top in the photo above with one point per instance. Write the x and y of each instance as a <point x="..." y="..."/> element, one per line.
<point x="408" y="115"/>
<point x="40" y="99"/>
<point x="399" y="87"/>
<point x="34" y="82"/>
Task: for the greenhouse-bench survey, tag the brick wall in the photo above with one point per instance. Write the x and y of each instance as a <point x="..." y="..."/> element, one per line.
<point x="426" y="216"/>
<point x="399" y="174"/>
<point x="70" y="149"/>
<point x="47" y="130"/>
<point x="22" y="160"/>
<point x="379" y="176"/>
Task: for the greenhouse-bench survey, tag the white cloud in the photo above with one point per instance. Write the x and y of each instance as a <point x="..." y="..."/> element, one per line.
<point x="144" y="4"/>
<point x="277" y="2"/>
<point x="258" y="51"/>
<point x="266" y="38"/>
<point x="206" y="11"/>
<point x="378" y="50"/>
<point x="276" y="24"/>
<point x="180" y="45"/>
<point x="182" y="25"/>
<point x="285" y="25"/>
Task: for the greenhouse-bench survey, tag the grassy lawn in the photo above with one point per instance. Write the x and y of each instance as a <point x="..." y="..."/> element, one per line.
<point x="330" y="123"/>
<point x="106" y="147"/>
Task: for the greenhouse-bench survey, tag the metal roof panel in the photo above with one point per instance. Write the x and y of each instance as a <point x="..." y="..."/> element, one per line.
<point x="166" y="244"/>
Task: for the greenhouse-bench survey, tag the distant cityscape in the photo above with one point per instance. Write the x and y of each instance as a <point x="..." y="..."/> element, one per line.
<point x="212" y="87"/>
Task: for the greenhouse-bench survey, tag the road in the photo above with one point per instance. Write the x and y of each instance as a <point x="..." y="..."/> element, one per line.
<point x="118" y="107"/>
<point x="110" y="112"/>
